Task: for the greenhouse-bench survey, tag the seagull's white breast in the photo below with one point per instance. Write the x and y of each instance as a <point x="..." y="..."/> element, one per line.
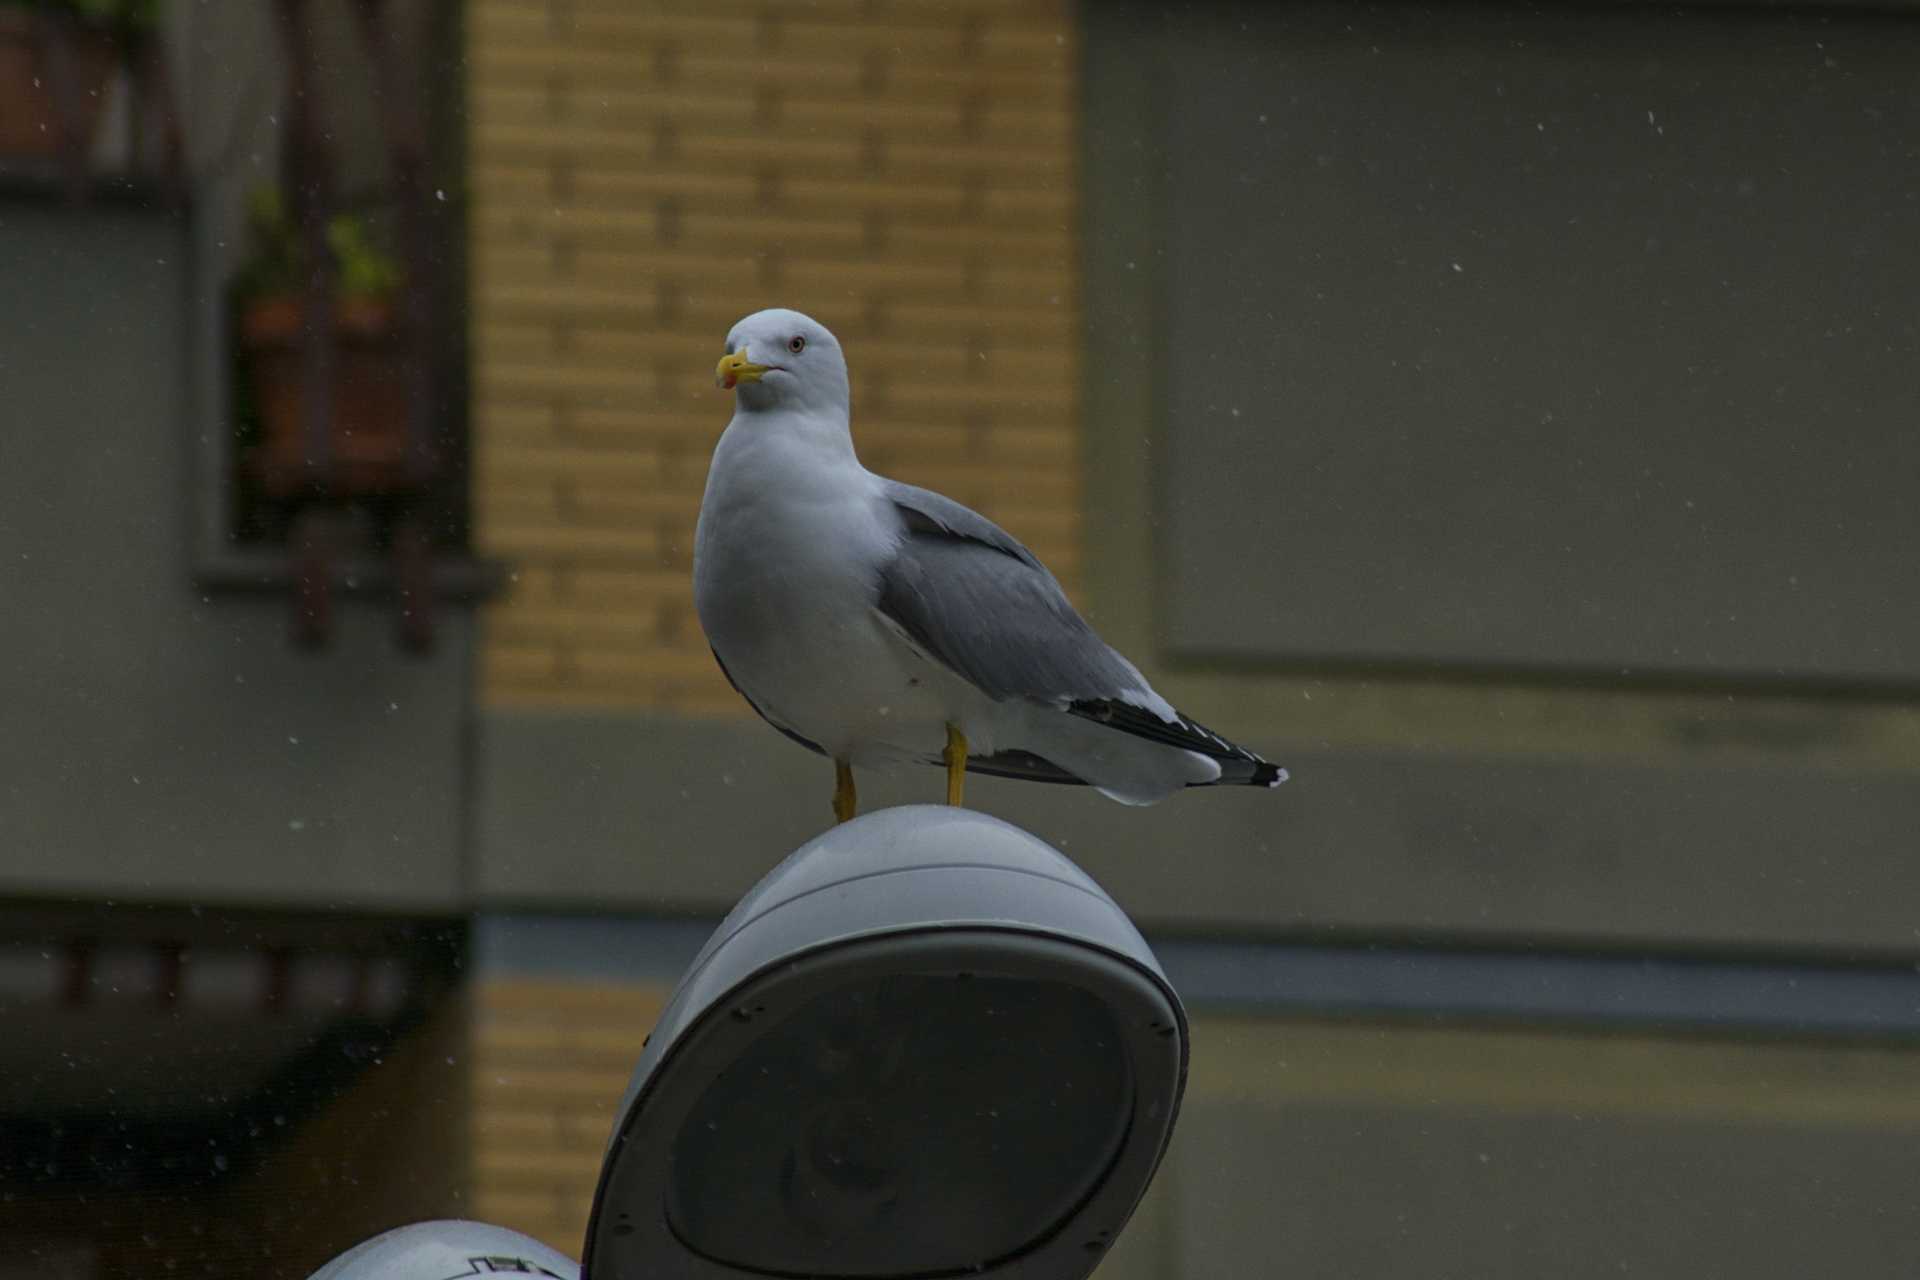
<point x="787" y="560"/>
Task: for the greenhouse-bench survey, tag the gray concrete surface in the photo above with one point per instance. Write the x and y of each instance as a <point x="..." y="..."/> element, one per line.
<point x="637" y="812"/>
<point x="1575" y="340"/>
<point x="161" y="742"/>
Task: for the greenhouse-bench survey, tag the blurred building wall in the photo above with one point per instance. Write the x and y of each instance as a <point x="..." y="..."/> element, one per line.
<point x="1327" y="1146"/>
<point x="624" y="218"/>
<point x="198" y="817"/>
<point x="165" y="739"/>
<point x="551" y="1058"/>
<point x="645" y="175"/>
<point x="643" y="179"/>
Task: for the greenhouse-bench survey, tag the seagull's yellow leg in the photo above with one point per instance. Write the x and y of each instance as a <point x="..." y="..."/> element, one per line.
<point x="844" y="803"/>
<point x="956" y="758"/>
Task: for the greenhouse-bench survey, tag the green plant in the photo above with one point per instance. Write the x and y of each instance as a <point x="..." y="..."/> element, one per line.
<point x="365" y="270"/>
<point x="362" y="270"/>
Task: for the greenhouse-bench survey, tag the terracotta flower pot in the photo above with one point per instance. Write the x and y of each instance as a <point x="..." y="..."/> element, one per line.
<point x="34" y="51"/>
<point x="367" y="436"/>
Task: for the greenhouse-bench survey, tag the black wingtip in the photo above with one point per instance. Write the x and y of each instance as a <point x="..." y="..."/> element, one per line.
<point x="1267" y="775"/>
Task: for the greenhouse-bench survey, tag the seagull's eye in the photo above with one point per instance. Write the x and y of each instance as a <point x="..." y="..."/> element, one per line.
<point x="796" y="344"/>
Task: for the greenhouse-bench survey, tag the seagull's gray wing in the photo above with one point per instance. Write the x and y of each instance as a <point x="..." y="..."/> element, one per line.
<point x="973" y="598"/>
<point x="966" y="592"/>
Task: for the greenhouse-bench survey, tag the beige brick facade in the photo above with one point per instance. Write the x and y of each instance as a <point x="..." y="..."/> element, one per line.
<point x="550" y="1063"/>
<point x="645" y="174"/>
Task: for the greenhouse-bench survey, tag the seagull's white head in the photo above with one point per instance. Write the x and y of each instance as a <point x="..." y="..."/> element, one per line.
<point x="781" y="359"/>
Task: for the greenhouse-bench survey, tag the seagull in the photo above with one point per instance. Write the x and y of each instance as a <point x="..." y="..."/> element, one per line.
<point x="877" y="623"/>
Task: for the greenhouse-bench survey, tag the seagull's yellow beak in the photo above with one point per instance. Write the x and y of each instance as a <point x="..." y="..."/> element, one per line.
<point x="735" y="369"/>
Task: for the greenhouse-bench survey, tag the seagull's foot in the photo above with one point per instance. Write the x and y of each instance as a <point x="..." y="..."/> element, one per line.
<point x="955" y="757"/>
<point x="845" y="804"/>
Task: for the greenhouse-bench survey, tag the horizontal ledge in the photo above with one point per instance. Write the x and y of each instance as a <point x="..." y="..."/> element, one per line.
<point x="1675" y="993"/>
<point x="461" y="577"/>
<point x="50" y="181"/>
<point x="1638" y="677"/>
<point x="1672" y="993"/>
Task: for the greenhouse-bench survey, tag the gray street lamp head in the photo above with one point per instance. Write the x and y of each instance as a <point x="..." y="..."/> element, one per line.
<point x="925" y="1044"/>
<point x="449" y="1250"/>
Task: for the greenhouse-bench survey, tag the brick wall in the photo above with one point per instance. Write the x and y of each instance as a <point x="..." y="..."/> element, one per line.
<point x="551" y="1060"/>
<point x="644" y="175"/>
